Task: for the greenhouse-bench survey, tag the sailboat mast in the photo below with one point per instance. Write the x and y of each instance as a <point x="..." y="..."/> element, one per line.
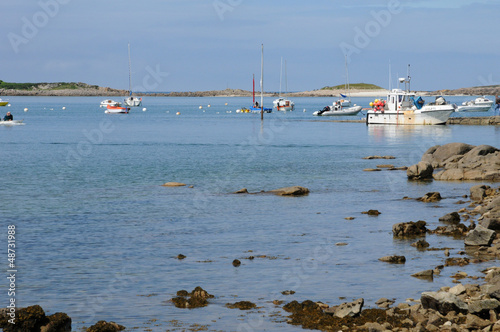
<point x="262" y="82"/>
<point x="253" y="90"/>
<point x="281" y="74"/>
<point x="129" y="73"/>
<point x="347" y="79"/>
<point x="286" y="81"/>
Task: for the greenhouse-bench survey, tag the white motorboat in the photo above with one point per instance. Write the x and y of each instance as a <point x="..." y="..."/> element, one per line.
<point x="337" y="109"/>
<point x="403" y="107"/>
<point x="109" y="102"/>
<point x="283" y="104"/>
<point x="12" y="123"/>
<point x="341" y="106"/>
<point x="480" y="104"/>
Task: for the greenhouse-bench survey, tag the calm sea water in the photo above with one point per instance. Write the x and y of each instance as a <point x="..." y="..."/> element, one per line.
<point x="97" y="234"/>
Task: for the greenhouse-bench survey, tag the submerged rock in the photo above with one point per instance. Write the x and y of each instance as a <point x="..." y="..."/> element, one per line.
<point x="291" y="191"/>
<point x="242" y="305"/>
<point x="173" y="184"/>
<point x="430" y="197"/>
<point x="103" y="326"/>
<point x="409" y="229"/>
<point x="393" y="259"/>
<point x="198" y="298"/>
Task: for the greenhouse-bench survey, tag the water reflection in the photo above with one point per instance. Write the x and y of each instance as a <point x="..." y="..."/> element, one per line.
<point x="391" y="132"/>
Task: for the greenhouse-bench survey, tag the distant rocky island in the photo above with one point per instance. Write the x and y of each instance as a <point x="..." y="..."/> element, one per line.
<point x="83" y="89"/>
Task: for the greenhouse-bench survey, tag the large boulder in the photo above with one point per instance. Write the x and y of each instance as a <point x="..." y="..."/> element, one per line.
<point x="350" y="309"/>
<point x="478" y="192"/>
<point x="480" y="236"/>
<point x="443" y="302"/>
<point x="437" y="155"/>
<point x="422" y="170"/>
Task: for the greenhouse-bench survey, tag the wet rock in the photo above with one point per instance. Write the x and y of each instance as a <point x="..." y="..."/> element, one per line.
<point x="181" y="257"/>
<point x="288" y="292"/>
<point x="409" y="229"/>
<point x="430" y="197"/>
<point x="393" y="259"/>
<point x="451" y="218"/>
<point x="198" y="298"/>
<point x="173" y="184"/>
<point x="236" y="263"/>
<point x="443" y="302"/>
<point x="33" y="318"/>
<point x="420" y="171"/>
<point x="372" y="170"/>
<point x="480" y="236"/>
<point x="242" y="305"/>
<point x="385" y="166"/>
<point x="103" y="326"/>
<point x="379" y="157"/>
<point x="241" y="191"/>
<point x="457" y="261"/>
<point x="426" y="274"/>
<point x="291" y="191"/>
<point x="457" y="231"/>
<point x="371" y="212"/>
<point x="420" y="244"/>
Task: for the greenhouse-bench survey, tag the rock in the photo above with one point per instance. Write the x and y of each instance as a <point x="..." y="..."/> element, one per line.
<point x="379" y="157"/>
<point x="103" y="326"/>
<point x="371" y="212"/>
<point x="482" y="308"/>
<point x="420" y="244"/>
<point x="288" y="292"/>
<point x="351" y="309"/>
<point x="426" y="274"/>
<point x="480" y="236"/>
<point x="420" y="171"/>
<point x="451" y="218"/>
<point x="173" y="184"/>
<point x="430" y="197"/>
<point x="490" y="223"/>
<point x="474" y="323"/>
<point x="393" y="259"/>
<point x="384" y="303"/>
<point x="181" y="256"/>
<point x="33" y="318"/>
<point x="409" y="229"/>
<point x="477" y="193"/>
<point x="242" y="305"/>
<point x="198" y="298"/>
<point x="443" y="302"/>
<point x="372" y="170"/>
<point x="457" y="261"/>
<point x="291" y="191"/>
<point x="385" y="166"/>
<point x="236" y="263"/>
<point x="241" y="191"/>
<point x="457" y="290"/>
<point x="437" y="155"/>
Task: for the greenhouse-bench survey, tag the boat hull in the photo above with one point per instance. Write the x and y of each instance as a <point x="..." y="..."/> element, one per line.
<point x="474" y="108"/>
<point x="354" y="110"/>
<point x="117" y="110"/>
<point x="12" y="123"/>
<point x="432" y="116"/>
<point x="133" y="101"/>
<point x="4" y="103"/>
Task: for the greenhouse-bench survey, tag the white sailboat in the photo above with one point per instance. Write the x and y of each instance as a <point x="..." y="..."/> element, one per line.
<point x="283" y="104"/>
<point x="131" y="101"/>
<point x="341" y="106"/>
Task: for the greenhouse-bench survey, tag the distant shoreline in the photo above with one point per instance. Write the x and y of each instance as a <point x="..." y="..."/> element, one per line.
<point x="109" y="92"/>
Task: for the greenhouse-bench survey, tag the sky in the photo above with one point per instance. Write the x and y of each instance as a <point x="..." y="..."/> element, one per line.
<point x="194" y="45"/>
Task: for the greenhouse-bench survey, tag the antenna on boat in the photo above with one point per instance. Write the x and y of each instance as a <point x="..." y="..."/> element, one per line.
<point x="262" y="83"/>
<point x="409" y="78"/>
<point x="347" y="79"/>
<point x="390" y="81"/>
<point x="129" y="72"/>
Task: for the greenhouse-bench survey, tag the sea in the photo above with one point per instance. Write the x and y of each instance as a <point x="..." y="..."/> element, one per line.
<point x="98" y="237"/>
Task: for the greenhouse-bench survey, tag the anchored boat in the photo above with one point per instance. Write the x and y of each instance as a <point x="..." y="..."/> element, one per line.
<point x="404" y="107"/>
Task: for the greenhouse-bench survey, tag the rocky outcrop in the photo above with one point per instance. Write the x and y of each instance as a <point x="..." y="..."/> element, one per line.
<point x="197" y="298"/>
<point x="409" y="229"/>
<point x="422" y="170"/>
<point x="460" y="161"/>
<point x="103" y="326"/>
<point x="480" y="236"/>
<point x="33" y="319"/>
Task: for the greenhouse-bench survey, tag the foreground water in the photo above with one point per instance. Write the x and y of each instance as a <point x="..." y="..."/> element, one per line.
<point x="98" y="236"/>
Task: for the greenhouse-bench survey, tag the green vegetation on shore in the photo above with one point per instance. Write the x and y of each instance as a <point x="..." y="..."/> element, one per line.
<point x="45" y="86"/>
<point x="357" y="86"/>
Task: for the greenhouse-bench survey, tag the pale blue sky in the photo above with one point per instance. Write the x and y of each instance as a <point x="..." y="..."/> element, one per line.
<point x="194" y="45"/>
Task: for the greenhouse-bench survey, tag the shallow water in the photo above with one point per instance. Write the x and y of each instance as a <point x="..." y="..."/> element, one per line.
<point x="98" y="236"/>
